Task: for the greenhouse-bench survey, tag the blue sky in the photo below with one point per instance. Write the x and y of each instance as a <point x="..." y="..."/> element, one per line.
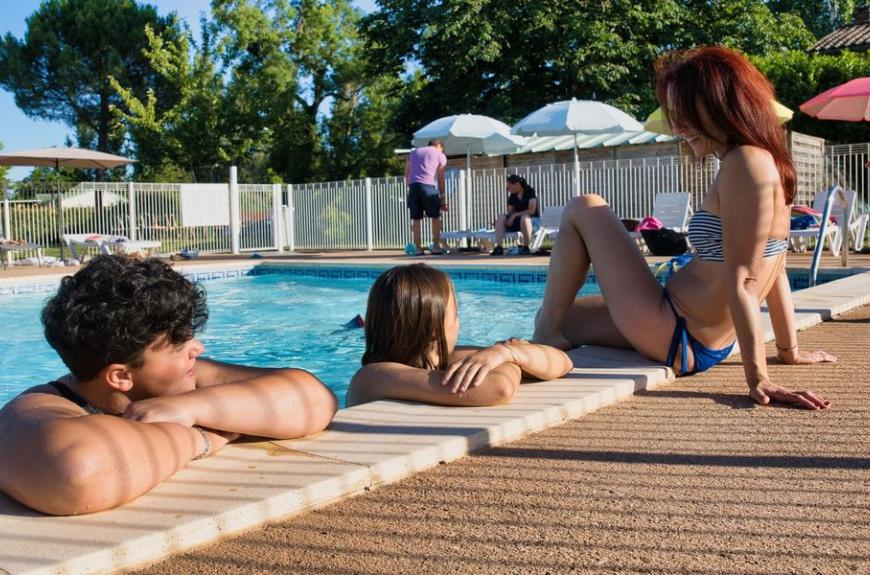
<point x="17" y="131"/>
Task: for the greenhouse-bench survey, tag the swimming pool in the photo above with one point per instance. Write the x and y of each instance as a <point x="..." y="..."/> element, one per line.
<point x="292" y="315"/>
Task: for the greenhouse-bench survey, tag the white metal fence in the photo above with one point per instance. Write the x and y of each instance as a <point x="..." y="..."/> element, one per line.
<point x="371" y="214"/>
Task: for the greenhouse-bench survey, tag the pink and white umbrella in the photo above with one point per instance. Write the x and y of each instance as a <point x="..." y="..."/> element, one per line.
<point x="849" y="102"/>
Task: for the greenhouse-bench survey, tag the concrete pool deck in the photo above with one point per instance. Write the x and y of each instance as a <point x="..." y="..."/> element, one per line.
<point x="368" y="446"/>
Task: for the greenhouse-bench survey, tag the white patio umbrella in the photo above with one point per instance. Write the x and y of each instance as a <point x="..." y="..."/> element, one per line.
<point x="470" y="134"/>
<point x="63" y="157"/>
<point x="573" y="117"/>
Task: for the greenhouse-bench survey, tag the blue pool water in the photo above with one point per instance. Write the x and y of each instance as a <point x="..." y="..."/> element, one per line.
<point x="278" y="320"/>
<point x="290" y="320"/>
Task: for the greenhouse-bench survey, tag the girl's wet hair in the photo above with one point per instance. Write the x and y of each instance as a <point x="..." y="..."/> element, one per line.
<point x="737" y="97"/>
<point x="405" y="317"/>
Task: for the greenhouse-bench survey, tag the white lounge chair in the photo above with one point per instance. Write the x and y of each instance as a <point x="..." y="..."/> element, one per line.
<point x="672" y="210"/>
<point x="106" y="244"/>
<point x="9" y="246"/>
<point x="833" y="237"/>
<point x="549" y="226"/>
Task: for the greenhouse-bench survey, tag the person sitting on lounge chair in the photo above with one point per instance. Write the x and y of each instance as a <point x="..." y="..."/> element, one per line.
<point x="522" y="210"/>
<point x="411" y="327"/>
<point x="139" y="403"/>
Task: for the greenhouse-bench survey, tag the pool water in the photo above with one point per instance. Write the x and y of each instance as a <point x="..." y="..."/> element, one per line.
<point x="278" y="320"/>
<point x="294" y="320"/>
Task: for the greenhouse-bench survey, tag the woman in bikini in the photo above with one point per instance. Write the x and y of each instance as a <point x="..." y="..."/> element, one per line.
<point x="720" y="104"/>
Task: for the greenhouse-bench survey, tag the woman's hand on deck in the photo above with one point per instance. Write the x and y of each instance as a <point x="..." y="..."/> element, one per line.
<point x="797" y="357"/>
<point x="764" y="392"/>
<point x="471" y="370"/>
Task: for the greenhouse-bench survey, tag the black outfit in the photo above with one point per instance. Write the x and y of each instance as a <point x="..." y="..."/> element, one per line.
<point x="520" y="205"/>
<point x="74" y="397"/>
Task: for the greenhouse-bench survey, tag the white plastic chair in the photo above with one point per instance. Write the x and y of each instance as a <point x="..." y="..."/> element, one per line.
<point x="857" y="224"/>
<point x="672" y="210"/>
<point x="549" y="226"/>
<point x="106" y="244"/>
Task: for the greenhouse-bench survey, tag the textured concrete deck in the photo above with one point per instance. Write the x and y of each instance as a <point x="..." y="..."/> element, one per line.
<point x="689" y="478"/>
<point x="367" y="446"/>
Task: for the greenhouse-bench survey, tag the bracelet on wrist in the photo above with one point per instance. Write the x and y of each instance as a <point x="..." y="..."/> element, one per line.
<point x="516" y="360"/>
<point x="206" y="444"/>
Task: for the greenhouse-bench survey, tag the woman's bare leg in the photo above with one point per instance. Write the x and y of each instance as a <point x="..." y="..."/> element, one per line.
<point x="591" y="234"/>
<point x="526" y="229"/>
<point x="500" y="229"/>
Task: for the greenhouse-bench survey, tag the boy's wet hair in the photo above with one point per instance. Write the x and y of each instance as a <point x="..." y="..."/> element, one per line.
<point x="115" y="307"/>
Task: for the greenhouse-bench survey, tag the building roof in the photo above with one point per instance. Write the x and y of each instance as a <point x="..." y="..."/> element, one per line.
<point x="560" y="143"/>
<point x="852" y="37"/>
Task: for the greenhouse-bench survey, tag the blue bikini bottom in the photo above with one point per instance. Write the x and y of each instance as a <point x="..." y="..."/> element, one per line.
<point x="705" y="358"/>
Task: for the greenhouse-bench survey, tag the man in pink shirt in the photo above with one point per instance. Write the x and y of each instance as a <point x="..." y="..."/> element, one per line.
<point x="424" y="176"/>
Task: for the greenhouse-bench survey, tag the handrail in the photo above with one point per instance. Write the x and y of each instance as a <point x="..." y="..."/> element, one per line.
<point x="823" y="225"/>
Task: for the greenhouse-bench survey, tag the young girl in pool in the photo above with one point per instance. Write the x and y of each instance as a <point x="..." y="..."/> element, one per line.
<point x="411" y="327"/>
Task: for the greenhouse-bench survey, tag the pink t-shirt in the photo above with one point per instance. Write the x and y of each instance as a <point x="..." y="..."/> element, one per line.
<point x="423" y="165"/>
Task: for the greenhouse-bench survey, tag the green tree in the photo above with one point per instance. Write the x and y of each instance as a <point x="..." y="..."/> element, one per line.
<point x="4" y="172"/>
<point x="197" y="136"/>
<point x="61" y="69"/>
<point x="820" y="17"/>
<point x="291" y="60"/>
<point x="798" y="76"/>
<point x="505" y="58"/>
<point x="752" y="26"/>
<point x="361" y="141"/>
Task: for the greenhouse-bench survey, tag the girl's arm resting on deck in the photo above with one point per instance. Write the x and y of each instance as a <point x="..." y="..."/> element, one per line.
<point x="388" y="380"/>
<point x="539" y="361"/>
<point x="781" y="309"/>
<point x="57" y="460"/>
<point x="277" y="403"/>
<point x="468" y="367"/>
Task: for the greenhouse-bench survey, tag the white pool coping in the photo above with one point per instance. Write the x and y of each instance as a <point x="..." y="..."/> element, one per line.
<point x="367" y="446"/>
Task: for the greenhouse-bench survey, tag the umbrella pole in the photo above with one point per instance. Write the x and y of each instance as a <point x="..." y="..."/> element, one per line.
<point x="468" y="190"/>
<point x="576" y="168"/>
<point x="59" y="229"/>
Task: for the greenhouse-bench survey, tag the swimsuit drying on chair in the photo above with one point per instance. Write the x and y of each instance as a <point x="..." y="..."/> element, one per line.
<point x="705" y="233"/>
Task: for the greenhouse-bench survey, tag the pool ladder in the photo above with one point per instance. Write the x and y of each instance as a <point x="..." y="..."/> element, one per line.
<point x="823" y="225"/>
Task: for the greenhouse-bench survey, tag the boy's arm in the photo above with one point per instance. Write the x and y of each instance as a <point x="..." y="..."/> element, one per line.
<point x="56" y="459"/>
<point x="265" y="402"/>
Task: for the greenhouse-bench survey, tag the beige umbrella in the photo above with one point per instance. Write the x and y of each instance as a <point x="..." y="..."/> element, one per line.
<point x="67" y="158"/>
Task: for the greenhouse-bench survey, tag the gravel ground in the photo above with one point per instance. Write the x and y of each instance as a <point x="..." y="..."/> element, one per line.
<point x="688" y="478"/>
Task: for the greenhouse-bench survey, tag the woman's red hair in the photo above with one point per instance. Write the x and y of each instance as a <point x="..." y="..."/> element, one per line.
<point x="736" y="96"/>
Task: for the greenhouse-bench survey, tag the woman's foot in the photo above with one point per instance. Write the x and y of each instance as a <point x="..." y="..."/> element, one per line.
<point x="497" y="251"/>
<point x="553" y="339"/>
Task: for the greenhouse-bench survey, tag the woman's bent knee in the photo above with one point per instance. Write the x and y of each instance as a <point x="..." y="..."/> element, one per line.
<point x="580" y="205"/>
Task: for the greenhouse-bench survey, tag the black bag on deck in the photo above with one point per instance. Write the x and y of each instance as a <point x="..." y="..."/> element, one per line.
<point x="665" y="242"/>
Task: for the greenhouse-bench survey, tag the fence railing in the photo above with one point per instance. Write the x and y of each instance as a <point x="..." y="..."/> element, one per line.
<point x="371" y="213"/>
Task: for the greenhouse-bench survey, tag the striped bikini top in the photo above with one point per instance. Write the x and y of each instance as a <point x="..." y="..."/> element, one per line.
<point x="705" y="233"/>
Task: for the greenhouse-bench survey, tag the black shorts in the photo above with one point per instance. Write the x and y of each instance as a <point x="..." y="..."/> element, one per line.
<point x="515" y="226"/>
<point x="424" y="198"/>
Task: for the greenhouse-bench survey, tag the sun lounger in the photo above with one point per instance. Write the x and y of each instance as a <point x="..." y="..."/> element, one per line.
<point x="10" y="246"/>
<point x="833" y="237"/>
<point x="106" y="244"/>
<point x="672" y="210"/>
